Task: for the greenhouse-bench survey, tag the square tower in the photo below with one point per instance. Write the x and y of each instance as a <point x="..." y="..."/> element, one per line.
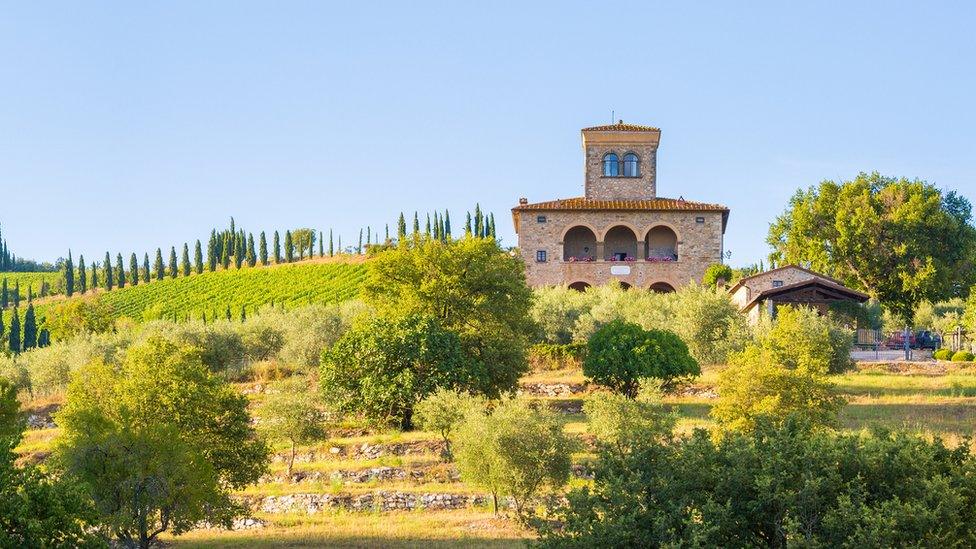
<point x="620" y="162"/>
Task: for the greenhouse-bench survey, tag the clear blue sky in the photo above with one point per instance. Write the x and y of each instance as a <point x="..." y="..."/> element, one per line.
<point x="125" y="127"/>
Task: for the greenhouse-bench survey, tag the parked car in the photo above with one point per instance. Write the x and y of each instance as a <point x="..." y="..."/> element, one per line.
<point x="896" y="340"/>
<point x="926" y="339"/>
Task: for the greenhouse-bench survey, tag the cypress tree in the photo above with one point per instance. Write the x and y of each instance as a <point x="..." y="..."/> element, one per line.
<point x="16" y="294"/>
<point x="427" y="228"/>
<point x="133" y="269"/>
<point x="172" y="262"/>
<point x="4" y="295"/>
<point x="94" y="275"/>
<point x="289" y="248"/>
<point x="277" y="248"/>
<point x="331" y="249"/>
<point x="225" y="252"/>
<point x="252" y="256"/>
<point x="107" y="272"/>
<point x="185" y="260"/>
<point x="240" y="250"/>
<point x="369" y="233"/>
<point x="146" y="277"/>
<point x="198" y="257"/>
<point x="387" y="234"/>
<point x="263" y="249"/>
<point x="1" y="324"/>
<point x="416" y="225"/>
<point x="447" y="224"/>
<point x="13" y="338"/>
<point x="69" y="276"/>
<point x="437" y="226"/>
<point x="467" y="225"/>
<point x="159" y="270"/>
<point x="340" y="244"/>
<point x="44" y="338"/>
<point x="243" y="313"/>
<point x="479" y="222"/>
<point x="491" y="225"/>
<point x="82" y="275"/>
<point x="119" y="272"/>
<point x="30" y="328"/>
<point x="212" y="254"/>
<point x="401" y="227"/>
<point x="227" y="313"/>
<point x="359" y="248"/>
<point x="30" y="292"/>
<point x="321" y="244"/>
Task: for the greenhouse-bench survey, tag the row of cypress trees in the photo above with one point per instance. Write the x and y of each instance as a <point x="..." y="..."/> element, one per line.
<point x="22" y="337"/>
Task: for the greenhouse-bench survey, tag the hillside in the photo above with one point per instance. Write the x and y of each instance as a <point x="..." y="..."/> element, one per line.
<point x="32" y="281"/>
<point x="213" y="292"/>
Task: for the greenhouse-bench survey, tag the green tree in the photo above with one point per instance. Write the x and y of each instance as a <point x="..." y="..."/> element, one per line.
<point x="69" y="276"/>
<point x="30" y="328"/>
<point x="517" y="451"/>
<point x="383" y="367"/>
<point x="212" y="253"/>
<point x="401" y="228"/>
<point x="4" y="295"/>
<point x="69" y="318"/>
<point x="289" y="248"/>
<point x="321" y="244"/>
<point x="443" y="410"/>
<point x="172" y="262"/>
<point x="145" y="268"/>
<point x="134" y="269"/>
<point x="303" y="240"/>
<point x="447" y="224"/>
<point x="198" y="258"/>
<point x="13" y="336"/>
<point x="82" y="275"/>
<point x="290" y="412"/>
<point x="251" y="255"/>
<point x="901" y="241"/>
<point x="263" y="249"/>
<point x="717" y="272"/>
<point x="277" y="248"/>
<point x="158" y="266"/>
<point x="159" y="442"/>
<point x="37" y="509"/>
<point x="331" y="249"/>
<point x="185" y="268"/>
<point x="416" y="225"/>
<point x="94" y="275"/>
<point x="620" y="354"/>
<point x="472" y="288"/>
<point x="119" y="271"/>
<point x="107" y="270"/>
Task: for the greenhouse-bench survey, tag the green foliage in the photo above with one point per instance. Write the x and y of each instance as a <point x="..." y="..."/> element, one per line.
<point x="962" y="356"/>
<point x="942" y="354"/>
<point x="80" y="315"/>
<point x="901" y="241"/>
<point x="623" y="425"/>
<point x="783" y="485"/>
<point x="159" y="443"/>
<point x="516" y="451"/>
<point x="36" y="509"/>
<point x="384" y="366"/>
<point x="620" y="354"/>
<point x="472" y="288"/>
<point x="552" y="356"/>
<point x="716" y="272"/>
<point x="290" y="412"/>
<point x="25" y="280"/>
<point x="784" y="373"/>
<point x="443" y="410"/>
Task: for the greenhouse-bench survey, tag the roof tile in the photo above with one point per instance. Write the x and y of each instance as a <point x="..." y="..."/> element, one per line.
<point x="654" y="204"/>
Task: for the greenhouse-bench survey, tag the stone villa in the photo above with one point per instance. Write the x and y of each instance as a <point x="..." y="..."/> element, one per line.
<point x="620" y="229"/>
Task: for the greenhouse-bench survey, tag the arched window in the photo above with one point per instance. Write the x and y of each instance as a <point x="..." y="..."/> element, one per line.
<point x="631" y="165"/>
<point x="611" y="165"/>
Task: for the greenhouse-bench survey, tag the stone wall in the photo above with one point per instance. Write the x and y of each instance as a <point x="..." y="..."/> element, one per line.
<point x="601" y="187"/>
<point x="699" y="245"/>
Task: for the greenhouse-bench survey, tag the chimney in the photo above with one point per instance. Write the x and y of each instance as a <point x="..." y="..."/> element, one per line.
<point x="523" y="201"/>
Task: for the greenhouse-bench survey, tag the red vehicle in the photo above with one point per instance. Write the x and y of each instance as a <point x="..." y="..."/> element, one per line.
<point x="897" y="340"/>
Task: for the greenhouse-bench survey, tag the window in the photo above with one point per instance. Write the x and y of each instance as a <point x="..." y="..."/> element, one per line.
<point x="540" y="256"/>
<point x="699" y="220"/>
<point x="611" y="165"/>
<point x="631" y="165"/>
<point x="540" y="219"/>
<point x="777" y="284"/>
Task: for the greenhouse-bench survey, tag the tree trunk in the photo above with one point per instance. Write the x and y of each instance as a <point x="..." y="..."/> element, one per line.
<point x="494" y="503"/>
<point x="291" y="460"/>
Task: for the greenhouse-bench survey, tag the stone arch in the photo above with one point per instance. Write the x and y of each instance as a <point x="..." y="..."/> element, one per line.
<point x="662" y="287"/>
<point x="579" y="243"/>
<point x="661" y="243"/>
<point x="624" y="285"/>
<point x="619" y="243"/>
<point x="579" y="286"/>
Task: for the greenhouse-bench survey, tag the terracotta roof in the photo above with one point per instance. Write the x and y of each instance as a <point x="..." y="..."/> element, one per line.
<point x="739" y="284"/>
<point x="659" y="204"/>
<point x="653" y="204"/>
<point x="621" y="127"/>
<point x="828" y="284"/>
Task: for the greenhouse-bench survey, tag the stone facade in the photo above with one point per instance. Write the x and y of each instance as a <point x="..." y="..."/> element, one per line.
<point x="789" y="285"/>
<point x="620" y="229"/>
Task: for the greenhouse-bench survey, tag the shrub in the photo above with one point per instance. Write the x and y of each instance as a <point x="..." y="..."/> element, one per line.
<point x="716" y="272"/>
<point x="786" y="484"/>
<point x="556" y="311"/>
<point x="799" y="337"/>
<point x="290" y="412"/>
<point x="620" y="354"/>
<point x="621" y="424"/>
<point x="756" y="385"/>
<point x="443" y="411"/>
<point x="383" y="367"/>
<point x="554" y="356"/>
<point x="962" y="356"/>
<point x="516" y="451"/>
<point x="942" y="354"/>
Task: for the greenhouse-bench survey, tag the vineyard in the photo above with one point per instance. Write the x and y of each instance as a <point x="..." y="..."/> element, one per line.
<point x="33" y="281"/>
<point x="212" y="293"/>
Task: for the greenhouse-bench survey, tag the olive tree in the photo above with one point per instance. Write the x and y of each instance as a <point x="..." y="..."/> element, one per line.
<point x="290" y="412"/>
<point x="159" y="442"/>
<point x="443" y="411"/>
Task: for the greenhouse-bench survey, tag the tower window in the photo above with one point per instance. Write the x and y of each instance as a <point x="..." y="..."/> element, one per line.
<point x="540" y="219"/>
<point x="631" y="165"/>
<point x="611" y="165"/>
<point x="540" y="256"/>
